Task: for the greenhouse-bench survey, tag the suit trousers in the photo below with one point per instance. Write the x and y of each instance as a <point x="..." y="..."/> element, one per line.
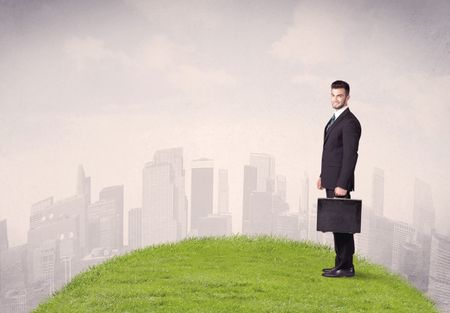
<point x="344" y="243"/>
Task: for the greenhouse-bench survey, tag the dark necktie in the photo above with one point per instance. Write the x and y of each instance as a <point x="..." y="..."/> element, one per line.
<point x="333" y="118"/>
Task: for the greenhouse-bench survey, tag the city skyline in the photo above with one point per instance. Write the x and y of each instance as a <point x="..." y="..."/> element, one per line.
<point x="120" y="86"/>
<point x="114" y="80"/>
<point x="68" y="235"/>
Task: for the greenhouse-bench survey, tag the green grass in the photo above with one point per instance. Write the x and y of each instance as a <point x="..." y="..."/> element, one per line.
<point x="234" y="274"/>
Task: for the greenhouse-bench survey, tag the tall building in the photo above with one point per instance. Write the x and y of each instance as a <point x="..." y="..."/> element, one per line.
<point x="265" y="168"/>
<point x="378" y="191"/>
<point x="13" y="271"/>
<point x="423" y="211"/>
<point x="164" y="210"/>
<point x="3" y="236"/>
<point x="261" y="219"/>
<point x="105" y="223"/>
<point x="403" y="234"/>
<point x="174" y="157"/>
<point x="116" y="195"/>
<point x="287" y="225"/>
<point x="53" y="243"/>
<point x="223" y="195"/>
<point x="281" y="187"/>
<point x="202" y="184"/>
<point x="135" y="228"/>
<point x="415" y="261"/>
<point x="83" y="185"/>
<point x="249" y="187"/>
<point x="158" y="217"/>
<point x="439" y="280"/>
<point x="381" y="240"/>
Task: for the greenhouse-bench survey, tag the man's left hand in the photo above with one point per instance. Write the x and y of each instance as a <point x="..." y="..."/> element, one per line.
<point x="338" y="191"/>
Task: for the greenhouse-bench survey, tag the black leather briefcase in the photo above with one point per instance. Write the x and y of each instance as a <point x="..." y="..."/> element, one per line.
<point x="339" y="215"/>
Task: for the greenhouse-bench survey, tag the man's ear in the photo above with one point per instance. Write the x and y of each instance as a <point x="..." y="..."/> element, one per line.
<point x="348" y="97"/>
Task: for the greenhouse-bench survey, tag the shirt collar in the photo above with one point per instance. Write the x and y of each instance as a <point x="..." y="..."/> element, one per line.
<point x="339" y="111"/>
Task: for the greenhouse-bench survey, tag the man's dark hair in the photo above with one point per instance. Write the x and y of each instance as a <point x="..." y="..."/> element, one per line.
<point x="341" y="84"/>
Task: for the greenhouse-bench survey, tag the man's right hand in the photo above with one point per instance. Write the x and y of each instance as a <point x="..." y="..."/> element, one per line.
<point x="319" y="184"/>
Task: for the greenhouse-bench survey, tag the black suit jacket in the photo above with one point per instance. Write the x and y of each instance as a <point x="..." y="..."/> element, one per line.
<point x="340" y="152"/>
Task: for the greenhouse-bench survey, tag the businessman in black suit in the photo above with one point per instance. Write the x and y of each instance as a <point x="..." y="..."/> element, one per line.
<point x="339" y="156"/>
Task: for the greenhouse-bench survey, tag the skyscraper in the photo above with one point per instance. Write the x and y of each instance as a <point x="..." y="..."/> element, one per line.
<point x="174" y="157"/>
<point x="281" y="187"/>
<point x="158" y="217"/>
<point x="265" y="168"/>
<point x="403" y="234"/>
<point x="116" y="194"/>
<point x="164" y="210"/>
<point x="3" y="236"/>
<point x="105" y="220"/>
<point x="83" y="185"/>
<point x="439" y="282"/>
<point x="223" y="195"/>
<point x="135" y="228"/>
<point x="261" y="219"/>
<point x="249" y="187"/>
<point x="423" y="212"/>
<point x="202" y="184"/>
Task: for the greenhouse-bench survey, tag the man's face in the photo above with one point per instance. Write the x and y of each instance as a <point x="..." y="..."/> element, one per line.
<point x="339" y="98"/>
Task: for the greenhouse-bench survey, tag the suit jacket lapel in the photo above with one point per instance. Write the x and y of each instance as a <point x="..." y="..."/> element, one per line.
<point x="340" y="118"/>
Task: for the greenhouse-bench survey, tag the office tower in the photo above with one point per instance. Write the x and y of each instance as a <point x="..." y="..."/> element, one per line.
<point x="381" y="240"/>
<point x="223" y="200"/>
<point x="84" y="185"/>
<point x="281" y="187"/>
<point x="403" y="234"/>
<point x="265" y="168"/>
<point x="158" y="217"/>
<point x="423" y="215"/>
<point x="174" y="157"/>
<point x="135" y="228"/>
<point x="13" y="271"/>
<point x="164" y="211"/>
<point x="439" y="279"/>
<point x="202" y="182"/>
<point x="250" y="182"/>
<point x="378" y="191"/>
<point x="260" y="217"/>
<point x="415" y="260"/>
<point x="53" y="242"/>
<point x="287" y="225"/>
<point x="116" y="194"/>
<point x="3" y="235"/>
<point x="304" y="207"/>
<point x="105" y="220"/>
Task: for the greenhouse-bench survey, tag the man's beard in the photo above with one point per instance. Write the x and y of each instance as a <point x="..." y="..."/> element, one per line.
<point x="340" y="107"/>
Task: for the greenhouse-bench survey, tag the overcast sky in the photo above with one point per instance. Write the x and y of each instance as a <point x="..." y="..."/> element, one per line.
<point x="107" y="83"/>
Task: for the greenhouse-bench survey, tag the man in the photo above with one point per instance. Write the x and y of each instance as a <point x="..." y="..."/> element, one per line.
<point x="339" y="156"/>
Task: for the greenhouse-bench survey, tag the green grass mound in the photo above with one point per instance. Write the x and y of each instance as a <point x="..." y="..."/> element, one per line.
<point x="234" y="274"/>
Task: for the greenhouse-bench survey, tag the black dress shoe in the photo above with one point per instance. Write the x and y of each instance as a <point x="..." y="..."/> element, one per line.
<point x="350" y="272"/>
<point x="328" y="269"/>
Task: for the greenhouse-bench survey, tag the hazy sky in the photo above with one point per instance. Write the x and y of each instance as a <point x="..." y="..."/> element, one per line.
<point x="107" y="83"/>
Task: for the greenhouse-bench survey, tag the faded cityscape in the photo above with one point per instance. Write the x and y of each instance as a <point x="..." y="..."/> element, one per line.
<point x="69" y="235"/>
<point x="163" y="103"/>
